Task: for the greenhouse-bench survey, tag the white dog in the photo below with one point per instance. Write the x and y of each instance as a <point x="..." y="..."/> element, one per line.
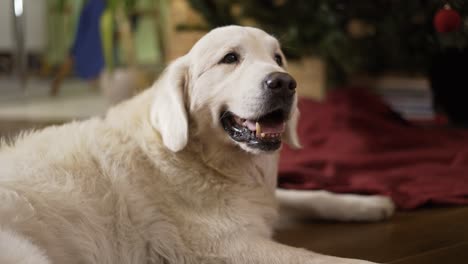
<point x="185" y="172"/>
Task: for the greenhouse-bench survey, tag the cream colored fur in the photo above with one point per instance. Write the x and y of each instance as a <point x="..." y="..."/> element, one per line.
<point x="157" y="180"/>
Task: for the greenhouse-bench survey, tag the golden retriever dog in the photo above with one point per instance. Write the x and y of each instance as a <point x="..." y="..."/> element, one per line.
<point x="184" y="172"/>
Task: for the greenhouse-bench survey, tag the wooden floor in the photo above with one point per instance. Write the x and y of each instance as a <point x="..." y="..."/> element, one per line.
<point x="429" y="236"/>
<point x="425" y="236"/>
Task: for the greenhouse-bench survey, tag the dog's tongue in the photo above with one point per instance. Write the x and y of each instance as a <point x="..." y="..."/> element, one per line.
<point x="266" y="127"/>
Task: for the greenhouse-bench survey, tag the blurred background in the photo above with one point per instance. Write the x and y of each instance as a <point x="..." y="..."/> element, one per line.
<point x="70" y="59"/>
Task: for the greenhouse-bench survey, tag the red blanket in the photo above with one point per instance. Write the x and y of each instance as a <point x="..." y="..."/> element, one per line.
<point x="354" y="143"/>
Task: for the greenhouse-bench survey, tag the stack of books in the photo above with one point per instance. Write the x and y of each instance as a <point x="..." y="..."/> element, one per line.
<point x="409" y="96"/>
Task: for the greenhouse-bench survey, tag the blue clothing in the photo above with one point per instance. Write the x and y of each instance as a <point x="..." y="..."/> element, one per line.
<point x="87" y="48"/>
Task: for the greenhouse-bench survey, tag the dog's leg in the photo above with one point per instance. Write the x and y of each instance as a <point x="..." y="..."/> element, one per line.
<point x="332" y="206"/>
<point x="15" y="249"/>
<point x="249" y="249"/>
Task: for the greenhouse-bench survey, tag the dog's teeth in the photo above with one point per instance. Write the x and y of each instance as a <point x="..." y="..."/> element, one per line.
<point x="258" y="129"/>
<point x="263" y="135"/>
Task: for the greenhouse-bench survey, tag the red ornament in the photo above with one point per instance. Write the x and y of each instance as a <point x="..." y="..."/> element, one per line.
<point x="447" y="20"/>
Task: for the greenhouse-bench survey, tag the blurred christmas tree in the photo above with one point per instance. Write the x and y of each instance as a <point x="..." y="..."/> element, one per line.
<point x="353" y="37"/>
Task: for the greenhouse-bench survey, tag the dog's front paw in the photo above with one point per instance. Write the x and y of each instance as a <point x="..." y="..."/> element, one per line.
<point x="335" y="206"/>
<point x="368" y="208"/>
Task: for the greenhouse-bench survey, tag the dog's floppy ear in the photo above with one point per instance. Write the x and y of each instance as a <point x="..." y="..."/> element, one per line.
<point x="168" y="112"/>
<point x="291" y="136"/>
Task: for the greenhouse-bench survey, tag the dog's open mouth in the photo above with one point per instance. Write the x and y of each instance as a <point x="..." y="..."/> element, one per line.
<point x="263" y="133"/>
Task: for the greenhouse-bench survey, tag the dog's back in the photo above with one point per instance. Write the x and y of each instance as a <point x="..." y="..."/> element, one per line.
<point x="55" y="193"/>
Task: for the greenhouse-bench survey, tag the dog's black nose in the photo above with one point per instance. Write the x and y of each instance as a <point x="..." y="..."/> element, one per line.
<point x="280" y="82"/>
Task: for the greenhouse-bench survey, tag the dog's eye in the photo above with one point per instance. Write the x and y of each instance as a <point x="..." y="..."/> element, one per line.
<point x="279" y="59"/>
<point x="230" y="58"/>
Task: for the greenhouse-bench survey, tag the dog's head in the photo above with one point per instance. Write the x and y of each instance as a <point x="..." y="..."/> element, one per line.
<point x="234" y="87"/>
